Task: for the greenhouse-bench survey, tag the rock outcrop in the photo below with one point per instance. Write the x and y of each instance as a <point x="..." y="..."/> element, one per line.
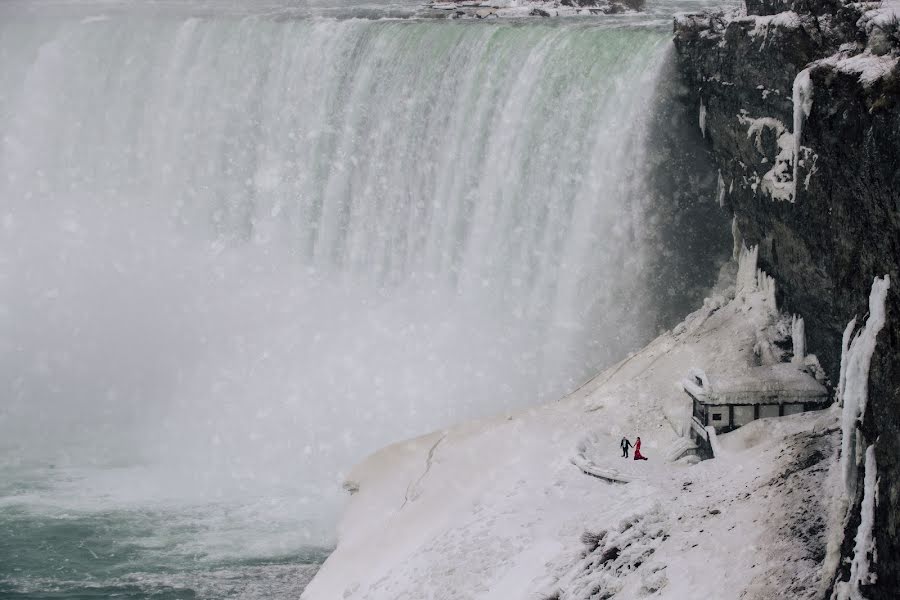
<point x="800" y="104"/>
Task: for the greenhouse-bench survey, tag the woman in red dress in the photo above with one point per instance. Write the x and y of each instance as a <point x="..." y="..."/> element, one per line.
<point x="637" y="450"/>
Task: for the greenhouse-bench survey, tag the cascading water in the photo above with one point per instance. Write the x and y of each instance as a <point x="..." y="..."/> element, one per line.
<point x="241" y="251"/>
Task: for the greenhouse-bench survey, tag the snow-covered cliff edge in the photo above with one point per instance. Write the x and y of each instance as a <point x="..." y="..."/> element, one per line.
<point x="497" y="509"/>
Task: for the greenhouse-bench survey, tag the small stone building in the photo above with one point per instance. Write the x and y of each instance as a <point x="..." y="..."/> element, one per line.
<point x="728" y="401"/>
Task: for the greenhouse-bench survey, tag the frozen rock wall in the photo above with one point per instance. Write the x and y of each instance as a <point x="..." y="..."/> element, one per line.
<point x="834" y="223"/>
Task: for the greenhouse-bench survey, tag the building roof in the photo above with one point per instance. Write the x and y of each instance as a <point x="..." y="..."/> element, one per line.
<point x="780" y="383"/>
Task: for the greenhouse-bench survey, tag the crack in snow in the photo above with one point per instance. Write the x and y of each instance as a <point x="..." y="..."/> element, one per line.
<point x="413" y="485"/>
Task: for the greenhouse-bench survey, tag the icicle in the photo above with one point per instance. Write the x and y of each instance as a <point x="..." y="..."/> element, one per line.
<point x="766" y="285"/>
<point x="856" y="382"/>
<point x="864" y="546"/>
<point x="746" y="275"/>
<point x="720" y="191"/>
<point x="738" y="241"/>
<point x="803" y="100"/>
<point x="865" y="540"/>
<point x="845" y="346"/>
<point x="798" y="337"/>
<point x="702" y="118"/>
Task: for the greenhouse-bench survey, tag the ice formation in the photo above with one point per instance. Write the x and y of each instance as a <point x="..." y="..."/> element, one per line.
<point x="750" y="279"/>
<point x="702" y="118"/>
<point x="746" y="275"/>
<point x="803" y="101"/>
<point x="777" y="182"/>
<point x="720" y="190"/>
<point x="855" y="367"/>
<point x="864" y="549"/>
<point x="864" y="552"/>
<point x="798" y="337"/>
<point x="766" y="284"/>
<point x="845" y="347"/>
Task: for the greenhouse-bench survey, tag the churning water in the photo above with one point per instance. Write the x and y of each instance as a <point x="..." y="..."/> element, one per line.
<point x="241" y="249"/>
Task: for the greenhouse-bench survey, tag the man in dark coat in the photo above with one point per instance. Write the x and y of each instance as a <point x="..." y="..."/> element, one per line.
<point x="625" y="444"/>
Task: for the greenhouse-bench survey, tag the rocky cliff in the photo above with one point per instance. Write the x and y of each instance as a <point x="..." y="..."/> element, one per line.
<point x="799" y="101"/>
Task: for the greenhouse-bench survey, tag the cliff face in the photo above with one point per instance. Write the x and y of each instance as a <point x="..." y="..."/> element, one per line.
<point x="827" y="235"/>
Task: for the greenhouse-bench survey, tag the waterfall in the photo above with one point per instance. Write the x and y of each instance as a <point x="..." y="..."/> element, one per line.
<point x="242" y="251"/>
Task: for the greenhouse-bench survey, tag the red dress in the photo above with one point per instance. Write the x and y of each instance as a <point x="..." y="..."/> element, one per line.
<point x="637" y="451"/>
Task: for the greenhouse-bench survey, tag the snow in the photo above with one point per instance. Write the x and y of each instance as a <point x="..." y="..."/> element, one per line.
<point x="763" y="24"/>
<point x="803" y="101"/>
<point x="869" y="67"/>
<point x="502" y="508"/>
<point x="714" y="442"/>
<point x="855" y="368"/>
<point x="749" y="385"/>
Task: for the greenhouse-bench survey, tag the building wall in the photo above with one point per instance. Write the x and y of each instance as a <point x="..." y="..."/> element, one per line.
<point x="722" y="412"/>
<point x="743" y="415"/>
<point x="793" y="409"/>
<point x="768" y="410"/>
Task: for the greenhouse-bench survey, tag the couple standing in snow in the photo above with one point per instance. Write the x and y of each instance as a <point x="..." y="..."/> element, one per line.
<point x="626" y="444"/>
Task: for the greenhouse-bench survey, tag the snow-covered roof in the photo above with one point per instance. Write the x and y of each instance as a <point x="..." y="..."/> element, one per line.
<point x="771" y="384"/>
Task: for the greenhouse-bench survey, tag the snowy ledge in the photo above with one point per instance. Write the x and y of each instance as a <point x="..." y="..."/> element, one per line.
<point x="497" y="509"/>
<point x="487" y="9"/>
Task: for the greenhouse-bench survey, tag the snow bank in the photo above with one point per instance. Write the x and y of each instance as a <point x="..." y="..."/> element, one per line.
<point x="713" y="438"/>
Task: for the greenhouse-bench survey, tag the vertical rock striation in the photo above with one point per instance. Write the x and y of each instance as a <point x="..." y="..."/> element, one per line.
<point x="810" y="167"/>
